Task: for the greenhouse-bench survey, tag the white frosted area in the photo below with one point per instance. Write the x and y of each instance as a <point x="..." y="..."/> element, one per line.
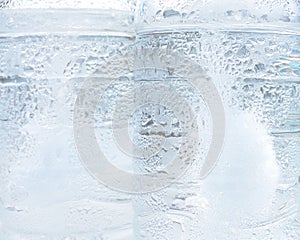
<point x="243" y="185"/>
<point x="101" y="4"/>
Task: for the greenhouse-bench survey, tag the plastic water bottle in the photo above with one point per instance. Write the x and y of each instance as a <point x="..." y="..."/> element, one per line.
<point x="156" y="120"/>
<point x="47" y="51"/>
<point x="250" y="51"/>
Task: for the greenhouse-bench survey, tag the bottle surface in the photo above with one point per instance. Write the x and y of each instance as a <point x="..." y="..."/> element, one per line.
<point x="45" y="57"/>
<point x="161" y="65"/>
<point x="250" y="50"/>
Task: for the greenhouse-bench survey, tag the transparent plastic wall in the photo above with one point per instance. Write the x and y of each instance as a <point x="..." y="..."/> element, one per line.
<point x="47" y="51"/>
<point x="245" y="52"/>
<point x="210" y="11"/>
<point x="250" y="50"/>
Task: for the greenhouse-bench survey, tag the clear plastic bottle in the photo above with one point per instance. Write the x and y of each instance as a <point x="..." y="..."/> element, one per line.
<point x="179" y="57"/>
<point x="250" y="50"/>
<point x="47" y="50"/>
